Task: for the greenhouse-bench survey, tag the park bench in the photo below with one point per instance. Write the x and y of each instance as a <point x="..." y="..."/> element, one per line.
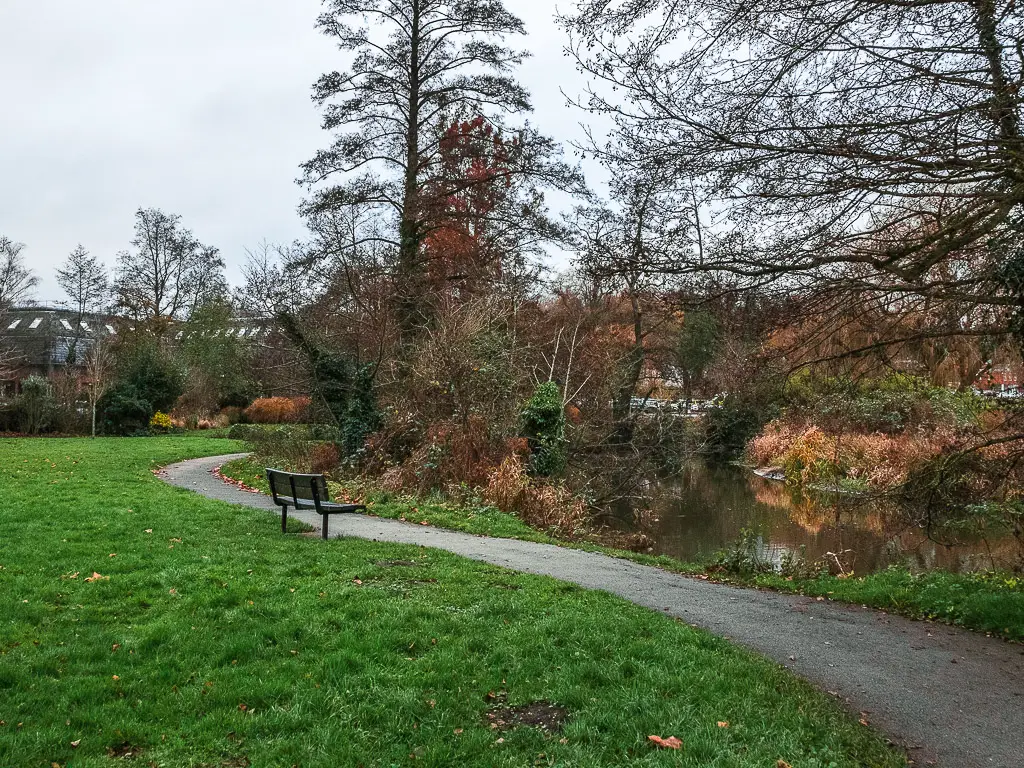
<point x="305" y="492"/>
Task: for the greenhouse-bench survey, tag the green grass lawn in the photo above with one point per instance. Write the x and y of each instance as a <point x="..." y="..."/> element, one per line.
<point x="211" y="639"/>
<point x="986" y="602"/>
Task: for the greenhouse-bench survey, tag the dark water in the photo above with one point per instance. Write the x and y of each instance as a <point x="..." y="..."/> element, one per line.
<point x="704" y="510"/>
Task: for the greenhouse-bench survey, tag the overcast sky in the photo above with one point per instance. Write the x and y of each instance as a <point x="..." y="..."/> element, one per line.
<point x="198" y="107"/>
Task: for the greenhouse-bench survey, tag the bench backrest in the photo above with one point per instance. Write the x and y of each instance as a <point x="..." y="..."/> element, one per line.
<point x="291" y="488"/>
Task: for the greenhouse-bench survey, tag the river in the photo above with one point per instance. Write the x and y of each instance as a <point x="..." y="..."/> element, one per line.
<point x="704" y="510"/>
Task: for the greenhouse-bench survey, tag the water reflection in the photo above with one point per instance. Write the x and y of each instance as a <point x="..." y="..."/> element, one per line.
<point x="703" y="510"/>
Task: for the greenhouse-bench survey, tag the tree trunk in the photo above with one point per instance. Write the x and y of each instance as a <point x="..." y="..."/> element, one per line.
<point x="411" y="313"/>
<point x="634" y="366"/>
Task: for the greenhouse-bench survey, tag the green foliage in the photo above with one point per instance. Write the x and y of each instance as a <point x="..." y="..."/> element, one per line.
<point x="154" y="375"/>
<point x="543" y="425"/>
<point x="697" y="345"/>
<point x="121" y="411"/>
<point x="889" y="404"/>
<point x="745" y="556"/>
<point x="361" y="415"/>
<point x="741" y="415"/>
<point x="728" y="428"/>
<point x="148" y="380"/>
<point x="161" y="422"/>
<point x="34" y="407"/>
<point x="1007" y="249"/>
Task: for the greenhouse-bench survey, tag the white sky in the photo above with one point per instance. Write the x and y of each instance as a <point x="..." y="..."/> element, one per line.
<point x="198" y="107"/>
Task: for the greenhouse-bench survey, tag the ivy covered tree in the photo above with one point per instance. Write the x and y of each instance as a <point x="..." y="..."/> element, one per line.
<point x="543" y="426"/>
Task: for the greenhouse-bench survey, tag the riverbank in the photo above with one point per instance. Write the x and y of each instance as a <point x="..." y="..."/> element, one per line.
<point x="985" y="602"/>
<point x="947" y="694"/>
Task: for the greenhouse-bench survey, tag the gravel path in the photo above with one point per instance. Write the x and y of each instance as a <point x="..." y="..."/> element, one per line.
<point x="952" y="698"/>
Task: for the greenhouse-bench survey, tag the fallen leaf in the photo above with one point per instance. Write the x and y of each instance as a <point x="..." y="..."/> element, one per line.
<point x="458" y="731"/>
<point x="425" y="522"/>
<point x="173" y="592"/>
<point x="862" y="721"/>
<point x="75" y="744"/>
<point x="112" y="554"/>
<point x="115" y="647"/>
<point x="115" y="677"/>
<point x="243" y="707"/>
<point x="670" y="743"/>
<point x="783" y="764"/>
<point x="723" y="724"/>
<point x="357" y="582"/>
<point x="149" y="530"/>
<point x="97" y="577"/>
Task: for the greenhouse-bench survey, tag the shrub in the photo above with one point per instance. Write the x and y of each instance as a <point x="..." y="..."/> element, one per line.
<point x="160" y="422"/>
<point x="747" y="556"/>
<point x="232" y="414"/>
<point x="891" y="404"/>
<point x="450" y="457"/>
<point x="307" y="432"/>
<point x="278" y="410"/>
<point x="323" y="457"/>
<point x="543" y="424"/>
<point x="123" y="411"/>
<point x="34" y="407"/>
<point x="540" y="505"/>
<point x="729" y="428"/>
<point x="154" y="377"/>
<point x="810" y="455"/>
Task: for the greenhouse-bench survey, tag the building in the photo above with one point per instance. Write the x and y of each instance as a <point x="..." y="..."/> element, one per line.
<point x="38" y="341"/>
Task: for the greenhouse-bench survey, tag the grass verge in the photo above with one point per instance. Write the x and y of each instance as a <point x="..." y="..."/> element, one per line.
<point x="986" y="602"/>
<point x="145" y="621"/>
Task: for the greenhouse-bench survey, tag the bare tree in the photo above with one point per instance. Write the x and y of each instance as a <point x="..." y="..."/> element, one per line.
<point x="84" y="279"/>
<point x="168" y="274"/>
<point x="16" y="284"/>
<point x="263" y="287"/>
<point x="417" y="65"/>
<point x="866" y="144"/>
<point x="99" y="367"/>
<point x="16" y="279"/>
<point x="650" y="223"/>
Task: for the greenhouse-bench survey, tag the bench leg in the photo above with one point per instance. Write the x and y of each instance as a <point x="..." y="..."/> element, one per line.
<point x="325" y="518"/>
<point x="284" y="519"/>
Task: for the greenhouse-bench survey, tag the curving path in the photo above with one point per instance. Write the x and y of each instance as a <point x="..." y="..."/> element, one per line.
<point x="952" y="698"/>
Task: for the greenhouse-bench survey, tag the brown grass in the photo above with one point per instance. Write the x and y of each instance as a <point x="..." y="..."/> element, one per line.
<point x="538" y="504"/>
<point x="808" y="454"/>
